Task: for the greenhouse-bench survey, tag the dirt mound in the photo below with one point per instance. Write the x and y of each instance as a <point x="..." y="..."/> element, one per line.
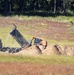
<point x="51" y="50"/>
<point x="69" y="50"/>
<point x="33" y="50"/>
<point x="30" y="51"/>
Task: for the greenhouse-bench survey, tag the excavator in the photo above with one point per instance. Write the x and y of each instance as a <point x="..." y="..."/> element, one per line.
<point x="22" y="42"/>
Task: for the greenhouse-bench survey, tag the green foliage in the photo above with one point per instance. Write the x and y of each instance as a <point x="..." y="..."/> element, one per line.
<point x="20" y="6"/>
<point x="48" y="1"/>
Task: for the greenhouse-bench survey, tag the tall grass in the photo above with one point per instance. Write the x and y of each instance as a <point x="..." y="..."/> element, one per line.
<point x="35" y="69"/>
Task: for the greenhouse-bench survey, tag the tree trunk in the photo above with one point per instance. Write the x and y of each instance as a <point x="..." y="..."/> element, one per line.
<point x="6" y="8"/>
<point x="9" y="6"/>
<point x="54" y="7"/>
<point x="21" y="5"/>
<point x="64" y="9"/>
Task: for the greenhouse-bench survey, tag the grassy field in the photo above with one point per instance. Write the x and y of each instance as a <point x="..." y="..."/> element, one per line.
<point x="36" y="65"/>
<point x="38" y="59"/>
<point x="27" y="26"/>
<point x="11" y="64"/>
<point x="8" y="40"/>
<point x="57" y="18"/>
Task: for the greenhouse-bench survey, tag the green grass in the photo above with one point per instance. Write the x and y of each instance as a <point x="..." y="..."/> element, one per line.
<point x="61" y="42"/>
<point x="62" y="18"/>
<point x="57" y="18"/>
<point x="39" y="59"/>
<point x="4" y="32"/>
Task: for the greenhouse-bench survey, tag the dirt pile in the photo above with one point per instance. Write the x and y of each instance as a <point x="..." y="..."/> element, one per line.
<point x="33" y="50"/>
<point x="51" y="50"/>
<point x="69" y="50"/>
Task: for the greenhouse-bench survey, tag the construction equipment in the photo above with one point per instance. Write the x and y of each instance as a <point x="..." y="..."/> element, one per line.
<point x="40" y="41"/>
<point x="18" y="37"/>
<point x="22" y="42"/>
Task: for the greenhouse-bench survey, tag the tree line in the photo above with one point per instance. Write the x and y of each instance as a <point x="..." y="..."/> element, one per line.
<point x="51" y="6"/>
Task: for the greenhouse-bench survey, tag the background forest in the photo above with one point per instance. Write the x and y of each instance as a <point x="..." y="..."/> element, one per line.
<point x="64" y="7"/>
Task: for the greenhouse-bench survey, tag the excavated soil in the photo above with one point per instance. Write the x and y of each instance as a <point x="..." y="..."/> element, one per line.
<point x="50" y="50"/>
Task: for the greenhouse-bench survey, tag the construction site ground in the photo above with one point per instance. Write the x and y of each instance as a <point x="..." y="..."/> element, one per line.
<point x="56" y="33"/>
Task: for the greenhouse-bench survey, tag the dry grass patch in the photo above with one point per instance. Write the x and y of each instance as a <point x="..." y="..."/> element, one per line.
<point x="35" y="69"/>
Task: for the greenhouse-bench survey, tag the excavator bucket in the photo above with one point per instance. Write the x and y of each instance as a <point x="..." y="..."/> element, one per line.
<point x="19" y="38"/>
